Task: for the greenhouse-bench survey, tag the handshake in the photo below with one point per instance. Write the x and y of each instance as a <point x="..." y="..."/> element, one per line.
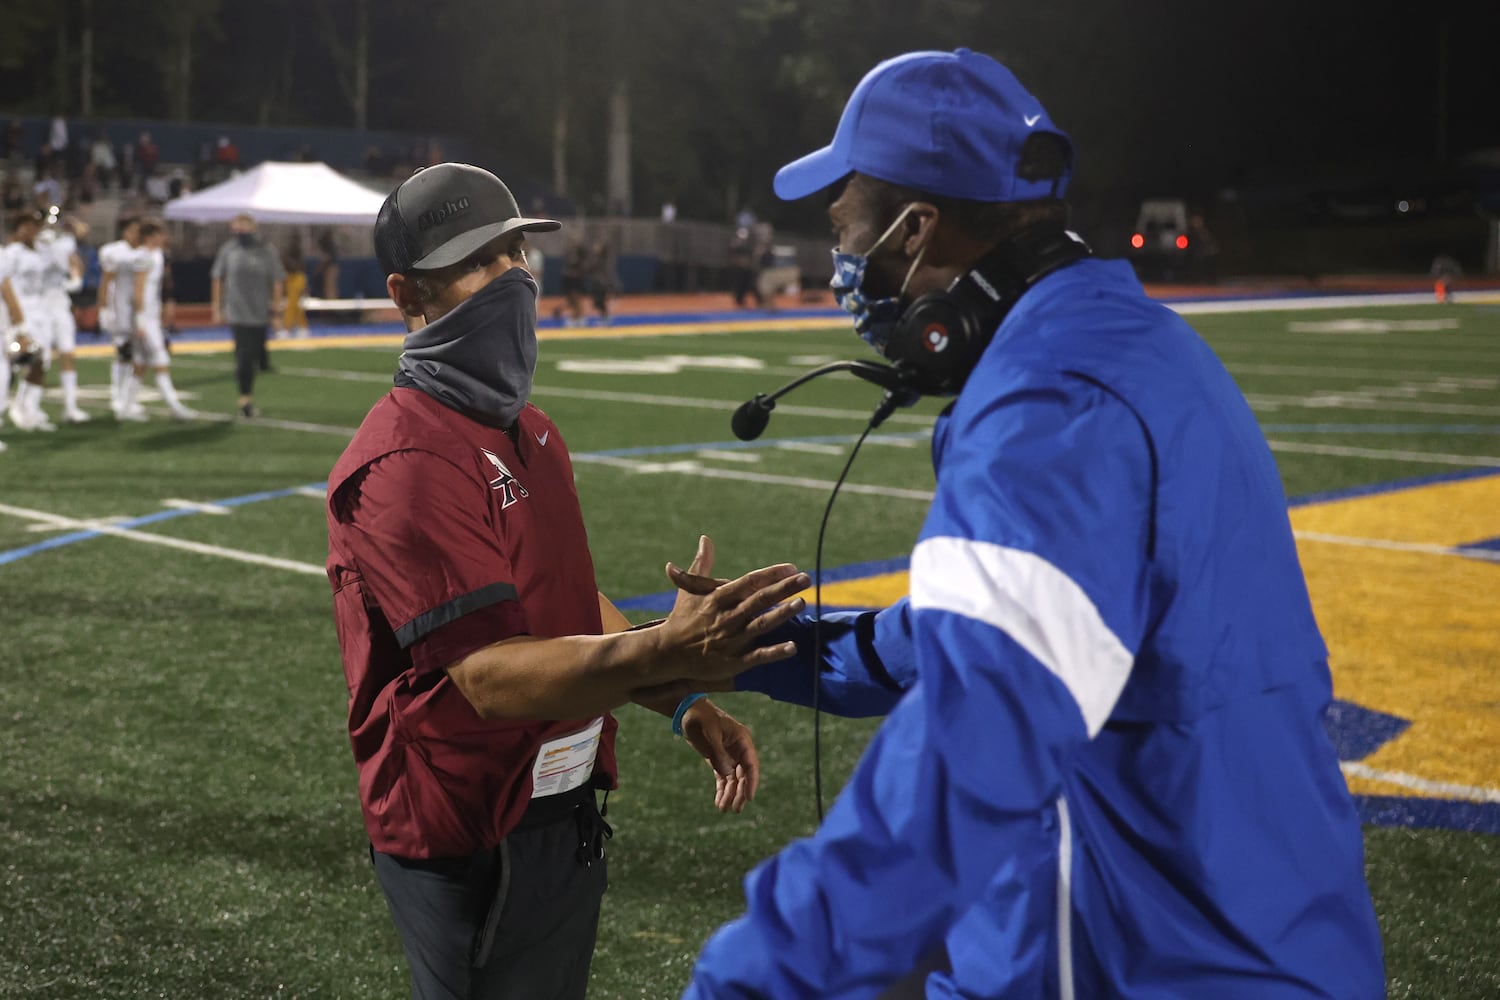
<point x="713" y="630"/>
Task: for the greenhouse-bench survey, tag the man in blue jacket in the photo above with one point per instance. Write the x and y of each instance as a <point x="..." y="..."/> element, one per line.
<point x="1103" y="773"/>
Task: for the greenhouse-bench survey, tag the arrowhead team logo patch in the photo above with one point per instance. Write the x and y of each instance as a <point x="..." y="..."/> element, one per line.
<point x="505" y="481"/>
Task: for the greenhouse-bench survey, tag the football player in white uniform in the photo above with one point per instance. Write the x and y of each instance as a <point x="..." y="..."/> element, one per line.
<point x="15" y="345"/>
<point x="116" y="310"/>
<point x="150" y="340"/>
<point x="30" y="271"/>
<point x="60" y="243"/>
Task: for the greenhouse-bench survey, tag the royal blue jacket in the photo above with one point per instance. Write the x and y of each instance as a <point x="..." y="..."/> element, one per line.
<point x="1107" y="774"/>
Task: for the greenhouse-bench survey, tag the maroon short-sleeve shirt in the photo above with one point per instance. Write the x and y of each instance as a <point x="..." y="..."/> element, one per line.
<point x="444" y="536"/>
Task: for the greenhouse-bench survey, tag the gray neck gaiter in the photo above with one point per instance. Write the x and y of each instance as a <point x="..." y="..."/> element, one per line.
<point x="479" y="359"/>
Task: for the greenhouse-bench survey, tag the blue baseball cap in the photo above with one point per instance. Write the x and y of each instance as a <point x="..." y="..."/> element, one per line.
<point x="947" y="123"/>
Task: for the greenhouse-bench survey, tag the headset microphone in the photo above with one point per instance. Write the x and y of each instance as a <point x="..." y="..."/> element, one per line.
<point x="750" y="420"/>
<point x="935" y="345"/>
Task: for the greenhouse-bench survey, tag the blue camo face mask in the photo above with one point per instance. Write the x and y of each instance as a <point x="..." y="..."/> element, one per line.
<point x="874" y="319"/>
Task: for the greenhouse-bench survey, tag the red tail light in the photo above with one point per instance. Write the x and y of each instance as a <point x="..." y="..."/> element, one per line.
<point x="1137" y="241"/>
<point x="1182" y="242"/>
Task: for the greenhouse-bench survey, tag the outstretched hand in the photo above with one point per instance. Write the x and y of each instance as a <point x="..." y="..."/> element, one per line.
<point x="714" y="623"/>
<point x="725" y="743"/>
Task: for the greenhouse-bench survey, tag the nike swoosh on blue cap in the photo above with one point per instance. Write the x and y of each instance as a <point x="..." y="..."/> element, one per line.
<point x="946" y="123"/>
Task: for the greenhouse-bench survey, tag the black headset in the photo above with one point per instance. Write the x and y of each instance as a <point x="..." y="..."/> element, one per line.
<point x="939" y="338"/>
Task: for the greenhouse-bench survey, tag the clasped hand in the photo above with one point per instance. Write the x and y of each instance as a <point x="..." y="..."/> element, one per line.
<point x="714" y="623"/>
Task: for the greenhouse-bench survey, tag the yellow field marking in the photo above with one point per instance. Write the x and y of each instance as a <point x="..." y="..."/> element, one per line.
<point x="1411" y="633"/>
<point x="868" y="592"/>
<point x="1440" y="514"/>
<point x="1414" y="633"/>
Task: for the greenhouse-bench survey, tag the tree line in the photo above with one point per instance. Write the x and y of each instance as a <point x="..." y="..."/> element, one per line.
<point x="626" y="105"/>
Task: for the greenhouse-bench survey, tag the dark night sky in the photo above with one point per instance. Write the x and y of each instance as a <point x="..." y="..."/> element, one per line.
<point x="1167" y="95"/>
<point x="1201" y="92"/>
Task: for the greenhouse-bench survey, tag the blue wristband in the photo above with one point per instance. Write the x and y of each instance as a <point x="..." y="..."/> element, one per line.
<point x="682" y="707"/>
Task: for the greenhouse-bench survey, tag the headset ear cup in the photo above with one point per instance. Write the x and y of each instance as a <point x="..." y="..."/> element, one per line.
<point x="935" y="341"/>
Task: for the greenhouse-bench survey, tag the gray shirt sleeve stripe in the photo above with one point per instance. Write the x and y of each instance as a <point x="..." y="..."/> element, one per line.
<point x="430" y="621"/>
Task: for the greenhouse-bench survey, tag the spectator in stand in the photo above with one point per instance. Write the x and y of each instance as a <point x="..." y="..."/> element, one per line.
<point x="87" y="189"/>
<point x="102" y="156"/>
<point x="375" y="162"/>
<point x="203" y="164"/>
<point x="777" y="274"/>
<point x="12" y="198"/>
<point x="127" y="167"/>
<point x="226" y="155"/>
<point x="327" y="278"/>
<point x="536" y="263"/>
<point x="48" y="190"/>
<point x="57" y="138"/>
<point x="603" y="278"/>
<point x="147" y="155"/>
<point x="12" y="147"/>
<point x="574" y="280"/>
<point x="741" y="273"/>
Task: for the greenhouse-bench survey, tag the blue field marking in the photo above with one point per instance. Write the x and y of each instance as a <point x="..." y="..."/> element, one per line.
<point x="1372" y="489"/>
<point x="1357" y="731"/>
<point x="1431" y="814"/>
<point x="58" y="541"/>
<point x="168" y="514"/>
<point x="1489" y="544"/>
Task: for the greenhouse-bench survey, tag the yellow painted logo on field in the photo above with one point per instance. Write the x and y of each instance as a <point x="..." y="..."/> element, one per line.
<point x="1406" y="586"/>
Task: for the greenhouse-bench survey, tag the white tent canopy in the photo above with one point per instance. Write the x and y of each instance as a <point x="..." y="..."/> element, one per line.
<point x="296" y="193"/>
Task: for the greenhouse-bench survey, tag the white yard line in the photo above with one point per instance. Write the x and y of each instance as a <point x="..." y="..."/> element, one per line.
<point x="722" y="405"/>
<point x="91" y="524"/>
<point x="1385" y="454"/>
<point x="1321" y="371"/>
<point x="698" y="471"/>
<point x="202" y="508"/>
<point x="337" y="375"/>
<point x="747" y="457"/>
<point x="1355" y="769"/>
<point x="1355" y="401"/>
<point x="1298" y="303"/>
<point x="1421" y="548"/>
<point x="165" y="541"/>
<point x="605" y="396"/>
<point x="280" y="425"/>
<point x="810" y="447"/>
<point x="1485" y="360"/>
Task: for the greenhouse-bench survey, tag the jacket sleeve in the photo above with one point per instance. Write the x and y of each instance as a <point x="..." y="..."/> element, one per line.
<point x="1029" y="597"/>
<point x="868" y="662"/>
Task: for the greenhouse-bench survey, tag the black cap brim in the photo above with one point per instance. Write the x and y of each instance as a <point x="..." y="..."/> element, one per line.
<point x="464" y="244"/>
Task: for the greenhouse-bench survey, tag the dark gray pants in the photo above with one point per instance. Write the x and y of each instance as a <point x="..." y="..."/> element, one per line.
<point x="249" y="356"/>
<point x="514" y="923"/>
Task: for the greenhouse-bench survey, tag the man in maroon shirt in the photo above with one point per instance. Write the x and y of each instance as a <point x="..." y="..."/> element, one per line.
<point x="481" y="659"/>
